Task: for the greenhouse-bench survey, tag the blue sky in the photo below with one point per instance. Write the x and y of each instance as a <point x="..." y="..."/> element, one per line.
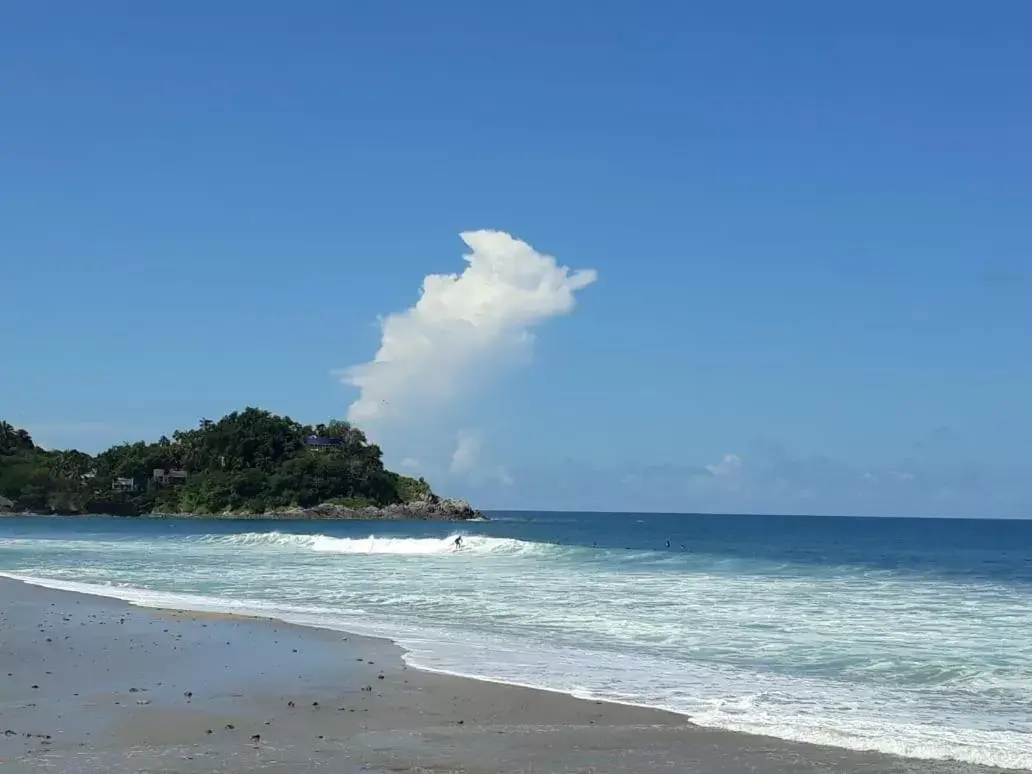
<point x="809" y="226"/>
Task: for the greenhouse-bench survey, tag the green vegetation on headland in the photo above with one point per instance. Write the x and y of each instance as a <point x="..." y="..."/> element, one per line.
<point x="248" y="464"/>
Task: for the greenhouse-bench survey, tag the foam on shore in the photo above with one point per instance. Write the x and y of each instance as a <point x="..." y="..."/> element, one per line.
<point x="439" y="651"/>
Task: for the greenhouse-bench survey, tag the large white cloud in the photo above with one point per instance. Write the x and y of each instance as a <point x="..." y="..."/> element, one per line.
<point x="462" y="323"/>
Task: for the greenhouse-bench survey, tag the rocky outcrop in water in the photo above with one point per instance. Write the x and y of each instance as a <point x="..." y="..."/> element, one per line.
<point x="431" y="508"/>
<point x="428" y="508"/>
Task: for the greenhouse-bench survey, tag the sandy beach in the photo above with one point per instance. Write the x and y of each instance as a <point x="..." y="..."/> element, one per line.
<point x="95" y="685"/>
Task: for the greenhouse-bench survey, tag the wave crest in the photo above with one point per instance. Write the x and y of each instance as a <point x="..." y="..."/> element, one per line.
<point x="379" y="545"/>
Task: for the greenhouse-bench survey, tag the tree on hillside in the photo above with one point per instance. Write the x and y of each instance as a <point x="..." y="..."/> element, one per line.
<point x="13" y="440"/>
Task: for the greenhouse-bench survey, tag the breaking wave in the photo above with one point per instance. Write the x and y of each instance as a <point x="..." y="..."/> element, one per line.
<point x="373" y="545"/>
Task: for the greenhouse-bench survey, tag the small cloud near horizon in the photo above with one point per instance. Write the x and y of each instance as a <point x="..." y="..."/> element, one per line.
<point x="768" y="479"/>
<point x="468" y="461"/>
<point x="467" y="450"/>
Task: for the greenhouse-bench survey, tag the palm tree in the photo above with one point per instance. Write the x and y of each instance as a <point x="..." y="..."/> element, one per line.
<point x="13" y="440"/>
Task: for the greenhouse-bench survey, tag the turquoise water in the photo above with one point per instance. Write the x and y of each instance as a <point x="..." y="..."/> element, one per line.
<point x="907" y="636"/>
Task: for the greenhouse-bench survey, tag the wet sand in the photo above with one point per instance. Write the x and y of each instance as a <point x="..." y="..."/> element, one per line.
<point x="92" y="685"/>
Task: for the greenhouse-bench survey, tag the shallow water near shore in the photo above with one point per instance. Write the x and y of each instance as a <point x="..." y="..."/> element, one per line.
<point x="906" y="636"/>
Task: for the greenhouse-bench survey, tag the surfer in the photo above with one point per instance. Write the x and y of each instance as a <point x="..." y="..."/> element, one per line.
<point x="458" y="542"/>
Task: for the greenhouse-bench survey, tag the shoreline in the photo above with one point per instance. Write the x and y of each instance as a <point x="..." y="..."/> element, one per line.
<point x="440" y="510"/>
<point x="479" y="719"/>
<point x="241" y="517"/>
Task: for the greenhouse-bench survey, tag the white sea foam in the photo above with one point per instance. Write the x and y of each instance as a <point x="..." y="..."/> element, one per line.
<point x="470" y="544"/>
<point x="844" y="656"/>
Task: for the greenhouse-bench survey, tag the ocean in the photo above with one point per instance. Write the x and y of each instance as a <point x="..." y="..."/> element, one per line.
<point x="907" y="636"/>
